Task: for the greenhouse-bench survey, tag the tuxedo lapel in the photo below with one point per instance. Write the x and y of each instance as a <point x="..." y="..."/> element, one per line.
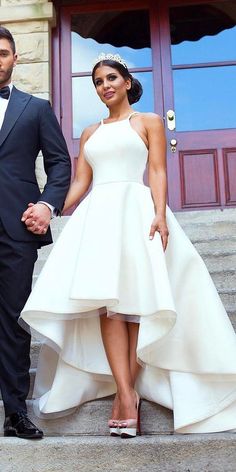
<point x="17" y="104"/>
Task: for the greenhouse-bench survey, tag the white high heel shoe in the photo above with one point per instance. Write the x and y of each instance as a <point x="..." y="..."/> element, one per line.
<point x="131" y="427"/>
<point x="114" y="427"/>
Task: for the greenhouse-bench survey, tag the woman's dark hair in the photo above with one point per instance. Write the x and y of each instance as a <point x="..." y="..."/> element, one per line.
<point x="136" y="90"/>
<point x="5" y="34"/>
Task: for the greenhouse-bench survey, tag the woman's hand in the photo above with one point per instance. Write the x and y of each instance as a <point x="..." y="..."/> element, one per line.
<point x="159" y="225"/>
<point x="37" y="218"/>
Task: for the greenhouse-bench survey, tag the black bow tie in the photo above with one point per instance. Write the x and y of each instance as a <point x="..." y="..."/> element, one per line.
<point x="5" y="92"/>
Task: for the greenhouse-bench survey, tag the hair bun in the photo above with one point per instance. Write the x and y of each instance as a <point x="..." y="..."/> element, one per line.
<point x="136" y="90"/>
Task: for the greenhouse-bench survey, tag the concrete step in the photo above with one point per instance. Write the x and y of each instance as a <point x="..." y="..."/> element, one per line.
<point x="188" y="453"/>
<point x="91" y="419"/>
<point x="186" y="218"/>
<point x="232" y="317"/>
<point x="34" y="353"/>
<point x="209" y="231"/>
<point x="228" y="298"/>
<point x="220" y="262"/>
<point x="216" y="247"/>
<point x="224" y="280"/>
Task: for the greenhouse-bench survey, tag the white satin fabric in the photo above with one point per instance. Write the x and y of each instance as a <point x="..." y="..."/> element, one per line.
<point x="104" y="258"/>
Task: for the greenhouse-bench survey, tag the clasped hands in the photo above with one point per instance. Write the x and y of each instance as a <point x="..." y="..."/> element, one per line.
<point x="37" y="218"/>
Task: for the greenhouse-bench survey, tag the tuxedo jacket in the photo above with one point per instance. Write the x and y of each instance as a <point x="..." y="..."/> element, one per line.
<point x="30" y="126"/>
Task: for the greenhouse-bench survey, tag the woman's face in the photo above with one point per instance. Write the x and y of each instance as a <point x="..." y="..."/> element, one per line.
<point x="110" y="85"/>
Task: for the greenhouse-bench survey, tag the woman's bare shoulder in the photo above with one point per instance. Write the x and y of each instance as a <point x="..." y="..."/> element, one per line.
<point x="151" y="119"/>
<point x="87" y="132"/>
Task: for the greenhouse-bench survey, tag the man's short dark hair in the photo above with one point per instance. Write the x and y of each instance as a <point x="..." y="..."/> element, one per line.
<point x="5" y="34"/>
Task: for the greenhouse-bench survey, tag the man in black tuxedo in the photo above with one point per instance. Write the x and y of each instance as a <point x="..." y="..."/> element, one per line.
<point x="27" y="125"/>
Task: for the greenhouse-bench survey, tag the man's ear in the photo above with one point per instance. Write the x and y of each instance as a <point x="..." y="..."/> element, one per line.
<point x="15" y="59"/>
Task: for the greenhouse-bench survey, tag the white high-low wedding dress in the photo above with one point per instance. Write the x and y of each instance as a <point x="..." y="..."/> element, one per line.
<point x="104" y="261"/>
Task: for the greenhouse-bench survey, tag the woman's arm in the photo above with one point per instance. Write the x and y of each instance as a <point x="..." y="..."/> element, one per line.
<point x="157" y="175"/>
<point x="83" y="176"/>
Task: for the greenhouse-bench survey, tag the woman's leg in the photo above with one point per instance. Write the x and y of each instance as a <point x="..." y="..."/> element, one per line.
<point x="133" y="329"/>
<point x="115" y="335"/>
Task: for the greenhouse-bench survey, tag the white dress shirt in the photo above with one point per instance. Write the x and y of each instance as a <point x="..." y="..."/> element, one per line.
<point x="3" y="108"/>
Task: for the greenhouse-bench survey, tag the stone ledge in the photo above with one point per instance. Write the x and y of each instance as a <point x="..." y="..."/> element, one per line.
<point x="90" y="419"/>
<point x="28" y="27"/>
<point x="16" y="13"/>
<point x="195" y="453"/>
<point x="18" y="2"/>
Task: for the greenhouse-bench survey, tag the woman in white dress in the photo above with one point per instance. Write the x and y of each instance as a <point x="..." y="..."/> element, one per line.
<point x="121" y="310"/>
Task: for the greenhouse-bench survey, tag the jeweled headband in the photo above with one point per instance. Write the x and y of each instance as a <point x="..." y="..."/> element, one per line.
<point x="110" y="57"/>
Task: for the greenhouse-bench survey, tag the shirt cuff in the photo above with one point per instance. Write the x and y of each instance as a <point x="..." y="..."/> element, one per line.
<point x="51" y="207"/>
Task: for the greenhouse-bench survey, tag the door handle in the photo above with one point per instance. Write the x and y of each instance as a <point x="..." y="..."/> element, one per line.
<point x="173" y="144"/>
<point x="170" y="115"/>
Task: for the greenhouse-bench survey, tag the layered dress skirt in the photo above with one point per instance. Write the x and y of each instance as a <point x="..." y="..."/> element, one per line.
<point x="104" y="262"/>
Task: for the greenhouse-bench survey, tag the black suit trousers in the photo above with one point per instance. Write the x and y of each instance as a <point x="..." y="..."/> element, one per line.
<point x="16" y="269"/>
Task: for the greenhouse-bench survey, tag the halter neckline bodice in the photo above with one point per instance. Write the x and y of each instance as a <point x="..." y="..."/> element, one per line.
<point x="120" y="121"/>
<point x="116" y="153"/>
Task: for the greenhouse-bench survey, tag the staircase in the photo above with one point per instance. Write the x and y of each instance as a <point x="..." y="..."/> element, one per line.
<point x="79" y="443"/>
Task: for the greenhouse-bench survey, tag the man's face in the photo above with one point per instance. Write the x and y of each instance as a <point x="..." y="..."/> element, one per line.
<point x="7" y="62"/>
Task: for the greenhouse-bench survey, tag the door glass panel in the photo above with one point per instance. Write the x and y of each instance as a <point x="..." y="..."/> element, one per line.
<point x="201" y="36"/>
<point x="88" y="108"/>
<point x="221" y="47"/>
<point x="203" y="33"/>
<point x="94" y="33"/>
<point x="84" y="51"/>
<point x="205" y="98"/>
<point x="108" y="32"/>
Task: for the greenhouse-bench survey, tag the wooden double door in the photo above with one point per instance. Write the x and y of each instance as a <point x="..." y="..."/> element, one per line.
<point x="184" y="53"/>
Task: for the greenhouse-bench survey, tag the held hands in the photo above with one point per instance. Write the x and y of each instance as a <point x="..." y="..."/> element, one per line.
<point x="37" y="218"/>
<point x="159" y="225"/>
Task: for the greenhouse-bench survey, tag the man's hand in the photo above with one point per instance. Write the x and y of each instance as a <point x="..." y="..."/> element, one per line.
<point x="37" y="218"/>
